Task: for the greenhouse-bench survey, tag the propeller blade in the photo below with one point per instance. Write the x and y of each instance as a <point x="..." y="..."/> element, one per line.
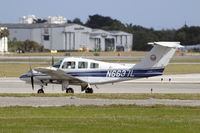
<point x="32" y="79"/>
<point x="32" y="82"/>
<point x="52" y="60"/>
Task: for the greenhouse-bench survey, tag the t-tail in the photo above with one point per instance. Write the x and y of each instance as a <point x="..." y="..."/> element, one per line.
<point x="157" y="59"/>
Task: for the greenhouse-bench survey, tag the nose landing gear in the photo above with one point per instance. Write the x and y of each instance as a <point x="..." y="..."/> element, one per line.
<point x="69" y="90"/>
<point x="41" y="90"/>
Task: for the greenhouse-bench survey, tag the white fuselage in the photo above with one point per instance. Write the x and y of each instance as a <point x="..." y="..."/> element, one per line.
<point x="86" y="72"/>
<point x="94" y="72"/>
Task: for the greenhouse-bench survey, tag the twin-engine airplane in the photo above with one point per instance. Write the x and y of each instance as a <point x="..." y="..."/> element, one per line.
<point x="87" y="72"/>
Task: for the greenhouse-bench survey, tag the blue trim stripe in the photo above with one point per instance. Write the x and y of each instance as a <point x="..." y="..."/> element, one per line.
<point x="118" y="73"/>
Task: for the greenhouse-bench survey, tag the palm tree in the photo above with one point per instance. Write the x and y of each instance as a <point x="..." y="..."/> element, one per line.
<point x="4" y="33"/>
<point x="0" y="32"/>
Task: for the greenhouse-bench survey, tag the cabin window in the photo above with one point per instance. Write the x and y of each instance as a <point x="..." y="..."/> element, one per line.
<point x="82" y="65"/>
<point x="57" y="64"/>
<point x="94" y="65"/>
<point x="69" y="65"/>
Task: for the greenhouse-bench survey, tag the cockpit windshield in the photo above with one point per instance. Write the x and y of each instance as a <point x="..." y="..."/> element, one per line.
<point x="57" y="64"/>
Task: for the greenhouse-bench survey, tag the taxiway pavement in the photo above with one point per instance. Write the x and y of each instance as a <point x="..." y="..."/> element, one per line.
<point x="68" y="101"/>
<point x="185" y="83"/>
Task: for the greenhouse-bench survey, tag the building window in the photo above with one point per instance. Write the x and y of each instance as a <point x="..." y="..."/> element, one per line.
<point x="94" y="65"/>
<point x="69" y="65"/>
<point x="46" y="37"/>
<point x="82" y="65"/>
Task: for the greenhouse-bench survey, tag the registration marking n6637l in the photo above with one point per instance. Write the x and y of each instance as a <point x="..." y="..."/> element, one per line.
<point x="120" y="73"/>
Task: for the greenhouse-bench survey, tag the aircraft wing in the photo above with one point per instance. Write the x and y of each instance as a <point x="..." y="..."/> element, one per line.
<point x="56" y="73"/>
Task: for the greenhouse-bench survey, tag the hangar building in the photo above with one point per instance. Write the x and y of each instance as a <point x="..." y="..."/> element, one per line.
<point x="70" y="36"/>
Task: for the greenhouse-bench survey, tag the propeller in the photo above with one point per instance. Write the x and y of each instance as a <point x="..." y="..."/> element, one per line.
<point x="31" y="75"/>
<point x="52" y="60"/>
<point x="32" y="79"/>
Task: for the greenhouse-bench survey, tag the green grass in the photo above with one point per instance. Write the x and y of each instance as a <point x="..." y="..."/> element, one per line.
<point x="182" y="68"/>
<point x="128" y="96"/>
<point x="142" y="96"/>
<point x="94" y="119"/>
<point x="15" y="70"/>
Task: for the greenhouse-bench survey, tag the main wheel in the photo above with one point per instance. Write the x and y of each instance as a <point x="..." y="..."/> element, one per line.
<point x="89" y="90"/>
<point x="40" y="91"/>
<point x="69" y="90"/>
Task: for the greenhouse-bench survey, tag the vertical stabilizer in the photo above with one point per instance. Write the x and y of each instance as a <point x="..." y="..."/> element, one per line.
<point x="159" y="56"/>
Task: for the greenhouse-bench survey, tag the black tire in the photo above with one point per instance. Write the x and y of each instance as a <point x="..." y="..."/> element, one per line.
<point x="69" y="90"/>
<point x="89" y="90"/>
<point x="40" y="91"/>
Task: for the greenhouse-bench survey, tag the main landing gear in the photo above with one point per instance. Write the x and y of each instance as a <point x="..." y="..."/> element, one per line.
<point x="40" y="90"/>
<point x="89" y="90"/>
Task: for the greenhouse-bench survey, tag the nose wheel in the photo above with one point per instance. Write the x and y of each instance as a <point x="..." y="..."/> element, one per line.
<point x="69" y="90"/>
<point x="40" y="91"/>
<point x="89" y="90"/>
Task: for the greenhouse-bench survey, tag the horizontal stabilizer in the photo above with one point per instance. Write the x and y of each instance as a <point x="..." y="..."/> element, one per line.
<point x="167" y="44"/>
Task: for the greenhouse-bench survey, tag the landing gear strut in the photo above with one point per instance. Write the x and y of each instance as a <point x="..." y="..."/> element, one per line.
<point x="69" y="90"/>
<point x="89" y="90"/>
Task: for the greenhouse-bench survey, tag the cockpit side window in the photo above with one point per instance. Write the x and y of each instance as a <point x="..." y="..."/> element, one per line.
<point x="82" y="65"/>
<point x="57" y="64"/>
<point x="69" y="65"/>
<point x="94" y="65"/>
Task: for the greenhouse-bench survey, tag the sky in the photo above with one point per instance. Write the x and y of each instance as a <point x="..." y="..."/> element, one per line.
<point x="157" y="14"/>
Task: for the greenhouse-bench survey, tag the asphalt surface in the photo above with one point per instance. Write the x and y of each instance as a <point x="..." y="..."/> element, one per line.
<point x="67" y="101"/>
<point x="186" y="83"/>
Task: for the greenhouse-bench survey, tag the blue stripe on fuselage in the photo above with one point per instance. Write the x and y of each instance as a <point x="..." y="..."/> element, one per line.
<point x="119" y="73"/>
<point x="115" y="73"/>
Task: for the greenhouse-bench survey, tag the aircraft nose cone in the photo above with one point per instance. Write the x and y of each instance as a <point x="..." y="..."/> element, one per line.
<point x="23" y="77"/>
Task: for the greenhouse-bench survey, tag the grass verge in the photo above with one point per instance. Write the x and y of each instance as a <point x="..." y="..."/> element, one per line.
<point x="93" y="119"/>
<point x="182" y="68"/>
<point x="127" y="96"/>
<point x="15" y="70"/>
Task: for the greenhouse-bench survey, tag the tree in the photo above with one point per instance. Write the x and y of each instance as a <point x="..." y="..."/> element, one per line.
<point x="77" y="21"/>
<point x="4" y="33"/>
<point x="106" y="23"/>
<point x="26" y="46"/>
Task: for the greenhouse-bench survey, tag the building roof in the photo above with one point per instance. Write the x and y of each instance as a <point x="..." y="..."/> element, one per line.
<point x="95" y="32"/>
<point x="113" y="32"/>
<point x="33" y="26"/>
